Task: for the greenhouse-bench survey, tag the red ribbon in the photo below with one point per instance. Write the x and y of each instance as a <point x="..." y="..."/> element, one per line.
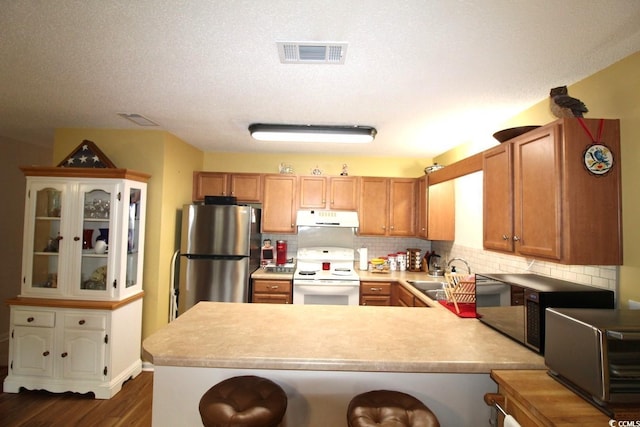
<point x="586" y="129"/>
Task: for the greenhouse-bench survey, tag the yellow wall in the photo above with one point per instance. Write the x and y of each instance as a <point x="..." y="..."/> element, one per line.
<point x="611" y="93"/>
<point x="170" y="162"/>
<point x="401" y="167"/>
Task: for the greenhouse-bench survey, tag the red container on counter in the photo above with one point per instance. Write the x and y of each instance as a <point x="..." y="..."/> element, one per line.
<point x="281" y="252"/>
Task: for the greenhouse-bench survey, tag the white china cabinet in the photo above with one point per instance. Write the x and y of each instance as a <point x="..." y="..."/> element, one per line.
<point x="76" y="325"/>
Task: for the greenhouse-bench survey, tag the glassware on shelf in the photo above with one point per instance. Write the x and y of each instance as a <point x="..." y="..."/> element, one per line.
<point x="87" y="238"/>
<point x="97" y="208"/>
<point x="104" y="235"/>
<point x="54" y="207"/>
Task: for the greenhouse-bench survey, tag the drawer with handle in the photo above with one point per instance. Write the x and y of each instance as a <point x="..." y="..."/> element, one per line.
<point x="84" y="321"/>
<point x="34" y="318"/>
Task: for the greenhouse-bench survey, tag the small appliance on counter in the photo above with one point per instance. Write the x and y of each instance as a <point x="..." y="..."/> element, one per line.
<point x="434" y="267"/>
<point x="281" y="252"/>
<point x="521" y="313"/>
<point x="596" y="353"/>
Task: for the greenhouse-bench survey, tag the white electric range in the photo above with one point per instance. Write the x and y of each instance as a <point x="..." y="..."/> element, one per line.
<point x="325" y="275"/>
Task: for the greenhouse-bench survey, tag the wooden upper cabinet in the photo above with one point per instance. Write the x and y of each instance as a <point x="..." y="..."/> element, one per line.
<point x="402" y="204"/>
<point x="246" y="187"/>
<point x="321" y="192"/>
<point x="498" y="198"/>
<point x="387" y="206"/>
<point x="441" y="211"/>
<point x="313" y="192"/>
<point x="421" y="206"/>
<point x="537" y="199"/>
<point x="279" y="204"/>
<point x="561" y="211"/>
<point x="373" y="212"/>
<point x="343" y="193"/>
<point x="209" y="184"/>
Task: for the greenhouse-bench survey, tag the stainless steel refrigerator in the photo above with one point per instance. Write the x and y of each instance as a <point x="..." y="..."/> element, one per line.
<point x="220" y="248"/>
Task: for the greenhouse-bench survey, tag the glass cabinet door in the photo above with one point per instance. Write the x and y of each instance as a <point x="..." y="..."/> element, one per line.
<point x="133" y="236"/>
<point x="47" y="208"/>
<point x="97" y="210"/>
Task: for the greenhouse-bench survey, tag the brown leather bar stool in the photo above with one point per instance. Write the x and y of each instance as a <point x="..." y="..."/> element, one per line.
<point x="386" y="408"/>
<point x="246" y="401"/>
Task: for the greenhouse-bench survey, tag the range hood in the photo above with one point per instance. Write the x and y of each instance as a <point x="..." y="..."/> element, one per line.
<point x="324" y="218"/>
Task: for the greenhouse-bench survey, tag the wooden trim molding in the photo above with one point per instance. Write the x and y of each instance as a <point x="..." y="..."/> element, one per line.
<point x="71" y="303"/>
<point x="456" y="170"/>
<point x="51" y="171"/>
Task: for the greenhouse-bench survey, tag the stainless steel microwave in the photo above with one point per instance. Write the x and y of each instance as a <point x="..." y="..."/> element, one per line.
<point x="596" y="353"/>
<point x="519" y="311"/>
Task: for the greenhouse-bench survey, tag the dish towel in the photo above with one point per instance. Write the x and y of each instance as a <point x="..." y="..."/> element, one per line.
<point x="509" y="421"/>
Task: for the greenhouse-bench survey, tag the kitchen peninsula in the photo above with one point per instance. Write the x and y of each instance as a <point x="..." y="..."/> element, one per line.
<point x="322" y="356"/>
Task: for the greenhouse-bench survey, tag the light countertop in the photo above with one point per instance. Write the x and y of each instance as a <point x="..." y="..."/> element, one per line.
<point x="368" y="276"/>
<point x="334" y="338"/>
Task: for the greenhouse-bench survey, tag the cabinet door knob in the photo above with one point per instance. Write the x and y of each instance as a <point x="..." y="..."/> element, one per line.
<point x="65" y="354"/>
<point x="76" y="238"/>
<point x="81" y="322"/>
<point x="30" y="319"/>
<point x="46" y="353"/>
<point x="516" y="238"/>
<point x="505" y="237"/>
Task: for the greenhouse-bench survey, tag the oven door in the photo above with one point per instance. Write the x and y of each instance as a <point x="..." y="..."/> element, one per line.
<point x="326" y="294"/>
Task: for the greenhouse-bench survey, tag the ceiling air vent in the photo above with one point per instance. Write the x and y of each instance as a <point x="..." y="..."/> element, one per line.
<point x="312" y="52"/>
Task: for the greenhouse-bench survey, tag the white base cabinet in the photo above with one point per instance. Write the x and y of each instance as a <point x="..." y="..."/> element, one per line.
<point x="78" y="346"/>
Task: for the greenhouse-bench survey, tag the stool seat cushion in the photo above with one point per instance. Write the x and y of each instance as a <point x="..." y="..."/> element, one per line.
<point x="386" y="408"/>
<point x="246" y="401"/>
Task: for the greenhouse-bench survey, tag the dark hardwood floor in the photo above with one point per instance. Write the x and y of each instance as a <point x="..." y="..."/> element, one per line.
<point x="131" y="407"/>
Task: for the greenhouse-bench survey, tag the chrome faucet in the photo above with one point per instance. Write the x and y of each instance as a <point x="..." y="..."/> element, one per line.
<point x="462" y="260"/>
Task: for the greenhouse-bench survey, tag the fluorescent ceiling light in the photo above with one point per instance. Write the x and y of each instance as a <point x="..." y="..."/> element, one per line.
<point x="312" y="133"/>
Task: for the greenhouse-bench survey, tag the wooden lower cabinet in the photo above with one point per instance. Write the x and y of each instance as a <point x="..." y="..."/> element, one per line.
<point x="535" y="399"/>
<point x="272" y="291"/>
<point x="401" y="296"/>
<point x="375" y="293"/>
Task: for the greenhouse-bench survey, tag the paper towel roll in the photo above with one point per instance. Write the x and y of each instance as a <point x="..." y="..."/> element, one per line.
<point x="364" y="259"/>
<point x="509" y="421"/>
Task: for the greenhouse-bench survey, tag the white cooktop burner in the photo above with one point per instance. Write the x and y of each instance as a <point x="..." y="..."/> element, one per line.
<point x="325" y="264"/>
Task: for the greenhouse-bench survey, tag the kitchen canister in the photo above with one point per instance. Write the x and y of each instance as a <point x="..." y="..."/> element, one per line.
<point x="393" y="262"/>
<point x="401" y="258"/>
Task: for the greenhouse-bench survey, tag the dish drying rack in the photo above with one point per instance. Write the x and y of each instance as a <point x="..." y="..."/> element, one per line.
<point x="460" y="288"/>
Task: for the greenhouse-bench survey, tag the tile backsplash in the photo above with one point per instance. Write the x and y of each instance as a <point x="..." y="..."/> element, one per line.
<point x="480" y="261"/>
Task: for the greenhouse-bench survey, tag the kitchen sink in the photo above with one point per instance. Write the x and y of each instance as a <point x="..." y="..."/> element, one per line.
<point x="431" y="288"/>
<point x="427" y="285"/>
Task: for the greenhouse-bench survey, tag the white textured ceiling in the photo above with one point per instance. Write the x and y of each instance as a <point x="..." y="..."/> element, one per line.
<point x="428" y="75"/>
